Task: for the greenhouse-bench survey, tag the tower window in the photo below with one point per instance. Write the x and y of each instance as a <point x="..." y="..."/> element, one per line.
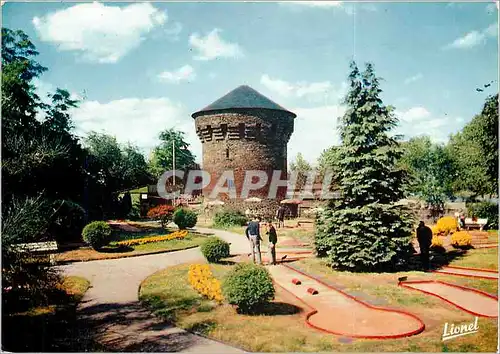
<point x="227" y="153"/>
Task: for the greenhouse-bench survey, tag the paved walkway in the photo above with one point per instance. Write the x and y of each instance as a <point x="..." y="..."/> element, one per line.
<point x="111" y="313"/>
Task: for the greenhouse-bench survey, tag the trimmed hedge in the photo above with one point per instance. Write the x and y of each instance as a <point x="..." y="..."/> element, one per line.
<point x="447" y="225"/>
<point x="214" y="249"/>
<point x="228" y="217"/>
<point x="461" y="239"/>
<point x="248" y="286"/>
<point x="185" y="218"/>
<point x="97" y="234"/>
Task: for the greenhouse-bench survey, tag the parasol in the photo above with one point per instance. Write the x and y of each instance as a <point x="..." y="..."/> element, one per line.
<point x="216" y="202"/>
<point x="253" y="200"/>
<point x="291" y="201"/>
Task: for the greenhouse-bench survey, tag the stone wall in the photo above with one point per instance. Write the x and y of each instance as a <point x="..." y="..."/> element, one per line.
<point x="242" y="140"/>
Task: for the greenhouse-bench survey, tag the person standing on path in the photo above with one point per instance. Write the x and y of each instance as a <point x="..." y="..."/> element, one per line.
<point x="424" y="237"/>
<point x="273" y="239"/>
<point x="253" y="235"/>
<point x="280" y="216"/>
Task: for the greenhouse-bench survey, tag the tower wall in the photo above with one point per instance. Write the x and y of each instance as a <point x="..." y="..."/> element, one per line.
<point x="244" y="139"/>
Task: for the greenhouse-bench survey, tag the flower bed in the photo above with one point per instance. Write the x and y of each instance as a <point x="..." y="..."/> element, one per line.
<point x="177" y="235"/>
<point x="461" y="239"/>
<point x="201" y="279"/>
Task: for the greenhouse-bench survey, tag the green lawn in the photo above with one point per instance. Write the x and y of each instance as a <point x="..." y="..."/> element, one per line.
<point x="479" y="258"/>
<point x="114" y="251"/>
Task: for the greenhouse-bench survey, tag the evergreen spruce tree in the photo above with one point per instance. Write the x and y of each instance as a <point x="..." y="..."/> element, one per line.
<point x="365" y="230"/>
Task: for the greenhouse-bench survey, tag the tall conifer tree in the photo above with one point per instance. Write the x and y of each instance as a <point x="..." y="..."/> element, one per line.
<point x="365" y="230"/>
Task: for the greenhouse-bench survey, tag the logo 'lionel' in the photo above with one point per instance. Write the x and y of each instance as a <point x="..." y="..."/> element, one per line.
<point x="453" y="331"/>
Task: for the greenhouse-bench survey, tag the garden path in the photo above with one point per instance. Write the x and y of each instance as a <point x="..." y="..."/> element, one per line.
<point x="110" y="311"/>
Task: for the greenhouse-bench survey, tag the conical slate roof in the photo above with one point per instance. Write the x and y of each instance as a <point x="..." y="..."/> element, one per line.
<point x="242" y="97"/>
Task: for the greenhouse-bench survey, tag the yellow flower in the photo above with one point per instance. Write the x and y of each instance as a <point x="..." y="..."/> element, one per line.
<point x="141" y="241"/>
<point x="461" y="239"/>
<point x="446" y="225"/>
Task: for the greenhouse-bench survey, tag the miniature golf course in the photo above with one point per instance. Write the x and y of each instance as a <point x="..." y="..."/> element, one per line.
<point x="475" y="302"/>
<point x="469" y="272"/>
<point x="328" y="305"/>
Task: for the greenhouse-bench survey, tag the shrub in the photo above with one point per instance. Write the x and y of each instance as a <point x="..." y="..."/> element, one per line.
<point x="461" y="239"/>
<point x="248" y="286"/>
<point x="162" y="212"/>
<point x="201" y="279"/>
<point x="185" y="218"/>
<point x="447" y="225"/>
<point x="214" y="249"/>
<point x="484" y="210"/>
<point x="97" y="234"/>
<point x="68" y="222"/>
<point x="435" y="230"/>
<point x="228" y="217"/>
<point x="437" y="244"/>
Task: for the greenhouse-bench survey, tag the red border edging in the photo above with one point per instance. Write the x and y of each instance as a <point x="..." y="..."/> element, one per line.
<point x="485" y="246"/>
<point x="464" y="275"/>
<point x="470" y="268"/>
<point x="402" y="284"/>
<point x="443" y="271"/>
<point x="314" y="311"/>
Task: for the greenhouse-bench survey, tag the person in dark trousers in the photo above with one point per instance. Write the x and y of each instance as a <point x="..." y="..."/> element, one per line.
<point x="280" y="216"/>
<point x="253" y="235"/>
<point x="273" y="239"/>
<point x="424" y="238"/>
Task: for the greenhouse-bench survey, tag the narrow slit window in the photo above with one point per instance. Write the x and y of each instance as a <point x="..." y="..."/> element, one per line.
<point x="227" y="153"/>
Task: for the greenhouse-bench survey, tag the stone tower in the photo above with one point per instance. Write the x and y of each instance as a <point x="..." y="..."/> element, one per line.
<point x="241" y="131"/>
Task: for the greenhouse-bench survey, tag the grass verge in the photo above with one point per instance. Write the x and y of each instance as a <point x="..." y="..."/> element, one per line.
<point x="47" y="328"/>
<point x="113" y="251"/>
<point x="479" y="258"/>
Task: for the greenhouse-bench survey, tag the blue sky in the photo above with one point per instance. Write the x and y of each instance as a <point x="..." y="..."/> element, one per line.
<point x="143" y="67"/>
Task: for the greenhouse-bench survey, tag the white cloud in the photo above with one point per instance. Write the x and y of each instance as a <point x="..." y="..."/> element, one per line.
<point x="413" y="78"/>
<point x="474" y="38"/>
<point x="315" y="130"/>
<point x="413" y="114"/>
<point x="185" y="73"/>
<point x="418" y="121"/>
<point x="102" y="33"/>
<point x="212" y="46"/>
<point x="314" y="91"/>
<point x="174" y="31"/>
<point x="492" y="30"/>
<point x="136" y="120"/>
<point x="44" y="88"/>
<point x="311" y="141"/>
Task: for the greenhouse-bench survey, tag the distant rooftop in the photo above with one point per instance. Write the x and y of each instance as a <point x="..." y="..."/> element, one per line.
<point x="242" y="97"/>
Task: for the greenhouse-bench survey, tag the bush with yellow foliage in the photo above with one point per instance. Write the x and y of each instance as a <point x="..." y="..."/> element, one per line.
<point x="461" y="239"/>
<point x="447" y="225"/>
